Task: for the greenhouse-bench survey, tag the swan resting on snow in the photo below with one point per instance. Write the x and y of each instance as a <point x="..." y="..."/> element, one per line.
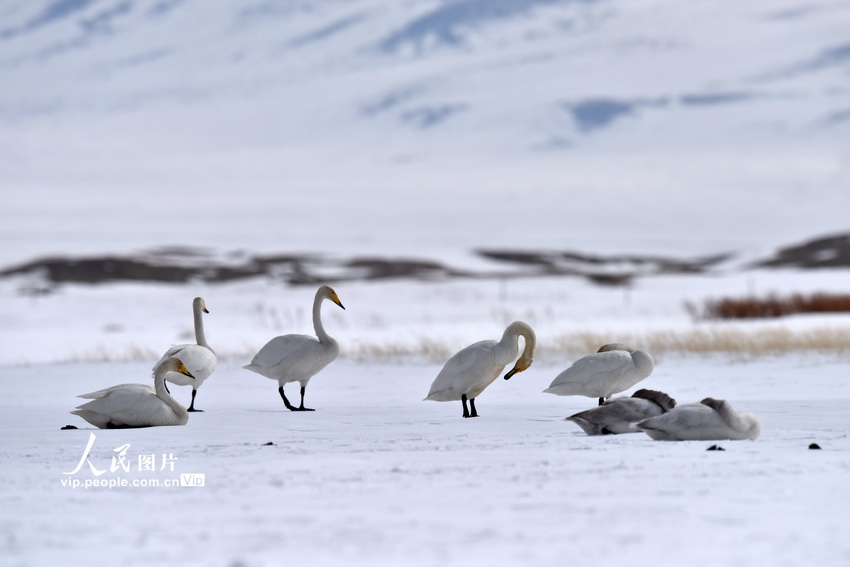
<point x="199" y="358"/>
<point x="709" y="420"/>
<point x="136" y="405"/>
<point x="466" y="374"/>
<point x="297" y="358"/>
<point x="619" y="415"/>
<point x="614" y="368"/>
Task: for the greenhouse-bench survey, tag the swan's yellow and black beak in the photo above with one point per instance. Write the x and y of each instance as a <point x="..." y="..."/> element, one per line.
<point x="205" y="309"/>
<point x="183" y="370"/>
<point x="336" y="300"/>
<point x="513" y="371"/>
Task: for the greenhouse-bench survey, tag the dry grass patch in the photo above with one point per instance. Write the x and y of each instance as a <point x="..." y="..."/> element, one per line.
<point x="708" y="340"/>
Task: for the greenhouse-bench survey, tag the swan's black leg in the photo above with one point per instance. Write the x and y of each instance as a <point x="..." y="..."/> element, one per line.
<point x="601" y="401"/>
<point x="301" y="407"/>
<point x="472" y="405"/>
<point x="465" y="409"/>
<point x="192" y="405"/>
<point x="289" y="406"/>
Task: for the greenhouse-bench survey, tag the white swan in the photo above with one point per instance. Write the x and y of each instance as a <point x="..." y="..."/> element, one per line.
<point x="467" y="373"/>
<point x="620" y="415"/>
<point x="614" y="368"/>
<point x="709" y="420"/>
<point x="296" y="358"/>
<point x="199" y="358"/>
<point x="136" y="405"/>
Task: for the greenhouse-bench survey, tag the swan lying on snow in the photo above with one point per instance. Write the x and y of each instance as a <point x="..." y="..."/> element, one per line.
<point x="467" y="373"/>
<point x="620" y="415"/>
<point x="199" y="358"/>
<point x="297" y="358"/>
<point x="614" y="368"/>
<point x="709" y="420"/>
<point x="136" y="405"/>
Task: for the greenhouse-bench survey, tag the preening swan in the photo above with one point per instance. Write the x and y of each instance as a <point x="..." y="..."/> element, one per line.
<point x="296" y="358"/>
<point x="136" y="405"/>
<point x="199" y="358"/>
<point x="467" y="373"/>
<point x="620" y="415"/>
<point x="614" y="368"/>
<point x="709" y="420"/>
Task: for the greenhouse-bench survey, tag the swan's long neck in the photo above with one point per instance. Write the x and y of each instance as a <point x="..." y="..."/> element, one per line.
<point x="317" y="319"/>
<point x="200" y="338"/>
<point x="509" y="340"/>
<point x="742" y="422"/>
<point x="162" y="392"/>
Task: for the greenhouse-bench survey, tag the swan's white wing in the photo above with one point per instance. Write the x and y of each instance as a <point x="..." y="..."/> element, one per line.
<point x="469" y="371"/>
<point x="616" y="416"/>
<point x="140" y="389"/>
<point x="593" y="375"/>
<point x="280" y="348"/>
<point x="199" y="360"/>
<point x="293" y="358"/>
<point x="132" y="405"/>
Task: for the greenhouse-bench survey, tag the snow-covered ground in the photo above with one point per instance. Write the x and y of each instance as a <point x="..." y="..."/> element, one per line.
<point x="377" y="477"/>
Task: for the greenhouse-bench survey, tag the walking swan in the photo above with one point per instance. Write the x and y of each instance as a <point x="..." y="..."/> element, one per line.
<point x="297" y="358"/>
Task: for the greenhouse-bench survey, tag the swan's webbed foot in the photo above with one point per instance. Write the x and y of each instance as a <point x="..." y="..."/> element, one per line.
<point x="193" y="409"/>
<point x="601" y="401"/>
<point x="289" y="406"/>
<point x="301" y="407"/>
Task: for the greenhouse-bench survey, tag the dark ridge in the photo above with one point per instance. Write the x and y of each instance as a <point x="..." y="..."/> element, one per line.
<point x="380" y="268"/>
<point x="826" y="252"/>
<point x="528" y="258"/>
<point x="622" y="269"/>
<point x="180" y="264"/>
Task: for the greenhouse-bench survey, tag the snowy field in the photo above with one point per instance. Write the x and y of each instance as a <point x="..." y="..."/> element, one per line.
<point x="377" y="476"/>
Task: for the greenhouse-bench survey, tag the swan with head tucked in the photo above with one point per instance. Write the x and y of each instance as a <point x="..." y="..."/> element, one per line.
<point x="136" y="405"/>
<point x="614" y="368"/>
<point x="466" y="374"/>
<point x="619" y="415"/>
<point x="709" y="420"/>
<point x="199" y="358"/>
<point x="297" y="358"/>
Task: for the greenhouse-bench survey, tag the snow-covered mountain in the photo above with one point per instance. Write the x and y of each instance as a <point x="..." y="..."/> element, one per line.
<point x="608" y="125"/>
